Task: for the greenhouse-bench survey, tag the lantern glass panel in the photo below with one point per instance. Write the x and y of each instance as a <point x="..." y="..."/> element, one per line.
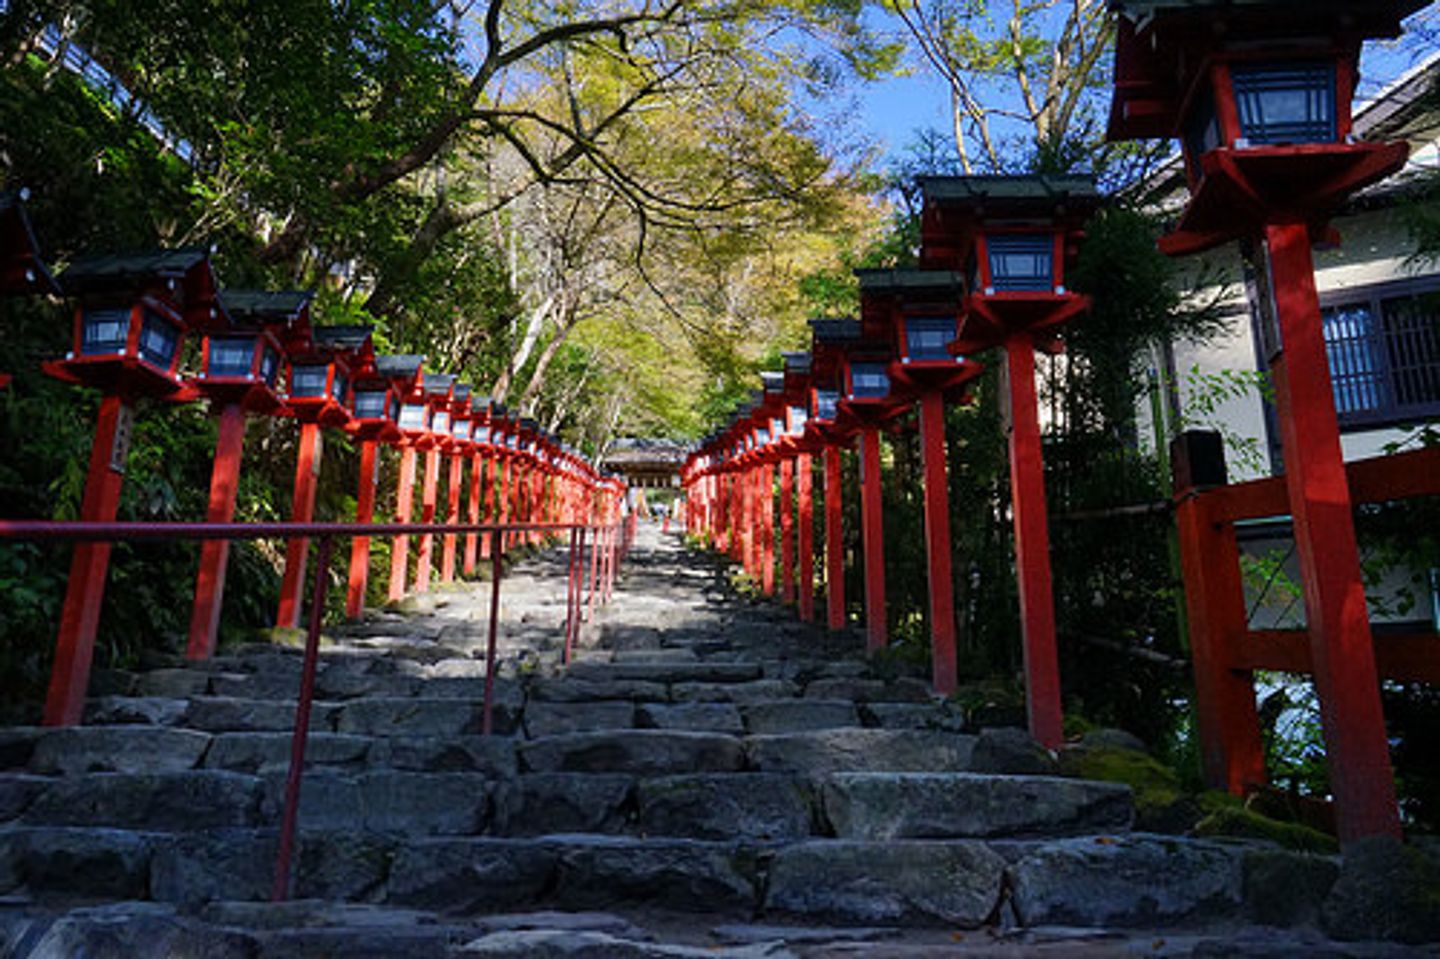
<point x="869" y="380"/>
<point x="797" y="420"/>
<point x="414" y="416"/>
<point x="1285" y="103"/>
<point x="926" y="336"/>
<point x="159" y="340"/>
<point x="104" y="331"/>
<point x="441" y="423"/>
<point x="777" y="426"/>
<point x="338" y="386"/>
<point x="762" y="436"/>
<point x="825" y="404"/>
<point x="510" y="441"/>
<point x="230" y="356"/>
<point x="482" y="434"/>
<point x="370" y="404"/>
<point x="460" y="429"/>
<point x="309" y="381"/>
<point x="1020" y="262"/>
<point x="270" y="366"/>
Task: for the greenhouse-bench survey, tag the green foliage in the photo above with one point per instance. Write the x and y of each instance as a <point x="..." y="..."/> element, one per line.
<point x="1155" y="786"/>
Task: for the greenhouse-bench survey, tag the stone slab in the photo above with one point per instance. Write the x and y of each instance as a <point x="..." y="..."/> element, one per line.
<point x="161" y="802"/>
<point x="679" y="874"/>
<point x="492" y="755"/>
<point x="471" y="875"/>
<point x="538" y="803"/>
<point x="777" y="716"/>
<point x="135" y="710"/>
<point x="1133" y="880"/>
<point x="924" y="882"/>
<point x="695" y="717"/>
<point x="567" y="690"/>
<point x="667" y="672"/>
<point x="761" y="806"/>
<point x="260" y="753"/>
<point x="823" y="752"/>
<point x="552" y="719"/>
<point x="878" y="806"/>
<point x="640" y="751"/>
<point x="126" y="749"/>
<point x="753" y="691"/>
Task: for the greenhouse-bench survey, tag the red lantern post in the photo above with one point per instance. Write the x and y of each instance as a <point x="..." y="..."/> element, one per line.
<point x="459" y="448"/>
<point x="439" y="391"/>
<point x="380" y="383"/>
<point x="131" y="318"/>
<point x="241" y="369"/>
<point x="319" y="396"/>
<point x="1259" y="94"/>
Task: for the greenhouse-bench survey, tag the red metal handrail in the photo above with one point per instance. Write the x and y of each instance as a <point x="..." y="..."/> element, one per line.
<point x="613" y="552"/>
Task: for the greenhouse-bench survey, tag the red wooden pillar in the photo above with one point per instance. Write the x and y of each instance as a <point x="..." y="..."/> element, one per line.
<point x="429" y="495"/>
<point x="834" y="542"/>
<point x="937" y="542"/>
<point x="404" y="506"/>
<point x="472" y="540"/>
<point x="360" y="545"/>
<point x="1341" y="647"/>
<point x="806" y="580"/>
<point x="1231" y="754"/>
<point x="767" y="528"/>
<point x="452" y="516"/>
<point x="215" y="553"/>
<point x="787" y="530"/>
<point x="302" y="510"/>
<point x="492" y="503"/>
<point x="1032" y="549"/>
<point x="872" y="532"/>
<point x="85" y="590"/>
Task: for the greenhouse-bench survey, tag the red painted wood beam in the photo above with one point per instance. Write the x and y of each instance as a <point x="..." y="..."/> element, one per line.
<point x="1232" y="757"/>
<point x="943" y="674"/>
<point x="302" y="510"/>
<point x="452" y="515"/>
<point x="472" y="540"/>
<point x="429" y="500"/>
<point x="766" y="480"/>
<point x="804" y="483"/>
<point x="404" y="507"/>
<point x="1032" y="548"/>
<point x="215" y="553"/>
<point x="1346" y="680"/>
<point x="89" y="565"/>
<point x="787" y="530"/>
<point x="360" y="545"/>
<point x="834" y="541"/>
<point x="1405" y="657"/>
<point x="872" y="532"/>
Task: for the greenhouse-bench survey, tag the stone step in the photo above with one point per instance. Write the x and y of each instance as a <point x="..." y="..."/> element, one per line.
<point x="878" y="806"/>
<point x="1093" y="881"/>
<point x="819" y="753"/>
<point x="679" y="671"/>
<point x="642" y="751"/>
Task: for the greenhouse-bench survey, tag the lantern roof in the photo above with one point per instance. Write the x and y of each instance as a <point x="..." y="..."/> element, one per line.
<point x="529" y="423"/>
<point x="22" y="270"/>
<point x="835" y="332"/>
<point x="921" y="284"/>
<point x="773" y="382"/>
<point x="185" y="272"/>
<point x="1161" y="46"/>
<point x="797" y="364"/>
<point x="267" y="307"/>
<point x="347" y="338"/>
<point x="438" y="384"/>
<point x="399" y="366"/>
<point x="462" y="392"/>
<point x="1011" y="195"/>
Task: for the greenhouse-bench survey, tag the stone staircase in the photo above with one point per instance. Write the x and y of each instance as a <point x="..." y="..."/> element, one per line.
<point x="709" y="778"/>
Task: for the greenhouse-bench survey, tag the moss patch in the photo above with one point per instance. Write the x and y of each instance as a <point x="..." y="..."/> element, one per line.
<point x="1155" y="785"/>
<point x="1245" y="824"/>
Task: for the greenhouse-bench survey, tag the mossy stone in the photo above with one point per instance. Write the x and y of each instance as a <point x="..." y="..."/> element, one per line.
<point x="1246" y="824"/>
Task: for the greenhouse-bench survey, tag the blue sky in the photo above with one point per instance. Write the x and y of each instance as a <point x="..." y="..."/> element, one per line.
<point x="889" y="113"/>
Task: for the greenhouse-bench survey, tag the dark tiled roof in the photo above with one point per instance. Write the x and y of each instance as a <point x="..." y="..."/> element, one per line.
<point x="910" y="281"/>
<point x="104" y="273"/>
<point x="772" y="381"/>
<point x="342" y="337"/>
<point x="797" y="362"/>
<point x="1008" y="192"/>
<point x="437" y="383"/>
<point x="836" y="331"/>
<point x="399" y="365"/>
<point x="462" y="392"/>
<point x="265" y="306"/>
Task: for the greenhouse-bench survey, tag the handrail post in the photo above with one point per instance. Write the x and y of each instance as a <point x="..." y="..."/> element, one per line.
<point x="497" y="564"/>
<point x="281" y="890"/>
